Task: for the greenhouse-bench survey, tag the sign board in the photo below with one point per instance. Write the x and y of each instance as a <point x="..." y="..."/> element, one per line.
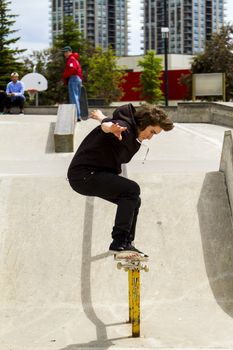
<point x="208" y="84"/>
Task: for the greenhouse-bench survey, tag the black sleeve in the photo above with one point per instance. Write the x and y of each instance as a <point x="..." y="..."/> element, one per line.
<point x="105" y="120"/>
<point x="115" y="121"/>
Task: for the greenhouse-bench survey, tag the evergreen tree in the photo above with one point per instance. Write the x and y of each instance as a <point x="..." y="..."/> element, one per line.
<point x="104" y="76"/>
<point x="8" y="55"/>
<point x="150" y="78"/>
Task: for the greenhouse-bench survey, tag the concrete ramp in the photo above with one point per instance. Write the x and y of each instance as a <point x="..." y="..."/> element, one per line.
<point x="60" y="289"/>
<point x="217" y="240"/>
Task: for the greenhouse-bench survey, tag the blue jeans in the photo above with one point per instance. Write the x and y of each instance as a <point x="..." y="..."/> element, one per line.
<point x="74" y="87"/>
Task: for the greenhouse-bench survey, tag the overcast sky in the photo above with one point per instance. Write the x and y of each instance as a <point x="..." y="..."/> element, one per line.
<point x="33" y="23"/>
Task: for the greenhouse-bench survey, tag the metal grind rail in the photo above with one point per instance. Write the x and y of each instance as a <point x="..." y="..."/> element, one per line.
<point x="133" y="267"/>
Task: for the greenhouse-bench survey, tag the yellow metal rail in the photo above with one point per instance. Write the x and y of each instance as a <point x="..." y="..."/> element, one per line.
<point x="135" y="302"/>
<point x="133" y="268"/>
<point x="130" y="296"/>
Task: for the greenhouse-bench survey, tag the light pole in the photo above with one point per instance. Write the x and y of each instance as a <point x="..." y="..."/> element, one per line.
<point x="165" y="35"/>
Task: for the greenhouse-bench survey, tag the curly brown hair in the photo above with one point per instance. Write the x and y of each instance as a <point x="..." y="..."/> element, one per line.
<point x="147" y="115"/>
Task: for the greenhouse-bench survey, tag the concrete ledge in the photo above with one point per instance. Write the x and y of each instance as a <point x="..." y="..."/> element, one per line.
<point x="203" y="112"/>
<point x="226" y="164"/>
<point x="222" y="114"/>
<point x="193" y="113"/>
<point x="185" y="112"/>
<point x="44" y="110"/>
<point x="65" y="127"/>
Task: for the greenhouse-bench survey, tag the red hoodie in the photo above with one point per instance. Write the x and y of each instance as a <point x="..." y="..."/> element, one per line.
<point x="72" y="67"/>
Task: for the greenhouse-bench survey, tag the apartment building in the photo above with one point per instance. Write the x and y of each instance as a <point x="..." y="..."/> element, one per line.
<point x="190" y="23"/>
<point x="103" y="22"/>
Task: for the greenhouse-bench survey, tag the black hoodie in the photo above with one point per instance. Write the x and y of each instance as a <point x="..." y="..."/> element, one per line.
<point x="101" y="151"/>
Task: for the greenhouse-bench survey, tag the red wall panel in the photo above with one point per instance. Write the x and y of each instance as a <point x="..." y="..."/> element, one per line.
<point x="175" y="90"/>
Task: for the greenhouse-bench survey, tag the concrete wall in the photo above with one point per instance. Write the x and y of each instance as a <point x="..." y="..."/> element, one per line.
<point x="222" y="114"/>
<point x="195" y="112"/>
<point x="175" y="61"/>
<point x="44" y="110"/>
<point x="189" y="112"/>
<point x="226" y="164"/>
<point x="202" y="112"/>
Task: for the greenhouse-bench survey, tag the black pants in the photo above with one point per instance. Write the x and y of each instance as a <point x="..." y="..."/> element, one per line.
<point x="2" y="100"/>
<point x="15" y="101"/>
<point x="116" y="189"/>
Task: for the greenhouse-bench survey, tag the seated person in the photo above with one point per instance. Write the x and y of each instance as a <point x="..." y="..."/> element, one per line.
<point x="14" y="93"/>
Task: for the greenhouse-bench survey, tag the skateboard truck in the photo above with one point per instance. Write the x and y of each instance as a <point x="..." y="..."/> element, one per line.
<point x="133" y="266"/>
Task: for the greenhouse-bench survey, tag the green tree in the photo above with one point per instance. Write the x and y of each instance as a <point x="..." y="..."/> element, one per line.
<point x="150" y="78"/>
<point x="37" y="61"/>
<point x="217" y="58"/>
<point x="8" y="55"/>
<point x="104" y="76"/>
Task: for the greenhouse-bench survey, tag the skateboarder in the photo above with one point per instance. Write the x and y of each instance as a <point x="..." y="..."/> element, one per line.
<point x="72" y="76"/>
<point x="95" y="168"/>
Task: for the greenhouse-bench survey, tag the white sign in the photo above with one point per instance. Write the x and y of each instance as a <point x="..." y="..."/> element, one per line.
<point x="208" y="84"/>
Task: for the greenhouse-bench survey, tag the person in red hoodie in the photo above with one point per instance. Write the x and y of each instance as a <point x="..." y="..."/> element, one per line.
<point x="72" y="76"/>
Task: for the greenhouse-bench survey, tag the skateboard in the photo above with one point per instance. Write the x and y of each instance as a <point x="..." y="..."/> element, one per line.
<point x="83" y="103"/>
<point x="129" y="260"/>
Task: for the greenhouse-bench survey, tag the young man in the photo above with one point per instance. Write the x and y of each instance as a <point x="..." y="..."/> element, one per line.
<point x="14" y="94"/>
<point x="73" y="77"/>
<point x="95" y="168"/>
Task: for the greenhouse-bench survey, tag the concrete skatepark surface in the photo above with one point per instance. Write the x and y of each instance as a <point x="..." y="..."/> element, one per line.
<point x="59" y="287"/>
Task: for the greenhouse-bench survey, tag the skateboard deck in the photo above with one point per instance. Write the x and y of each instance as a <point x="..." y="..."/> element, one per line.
<point x="130" y="255"/>
<point x="129" y="260"/>
<point x="83" y="103"/>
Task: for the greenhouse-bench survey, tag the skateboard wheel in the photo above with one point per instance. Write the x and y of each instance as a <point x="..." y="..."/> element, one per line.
<point x="146" y="268"/>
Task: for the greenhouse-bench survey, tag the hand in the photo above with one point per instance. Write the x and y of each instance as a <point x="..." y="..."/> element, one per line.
<point x="97" y="115"/>
<point x="115" y="129"/>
